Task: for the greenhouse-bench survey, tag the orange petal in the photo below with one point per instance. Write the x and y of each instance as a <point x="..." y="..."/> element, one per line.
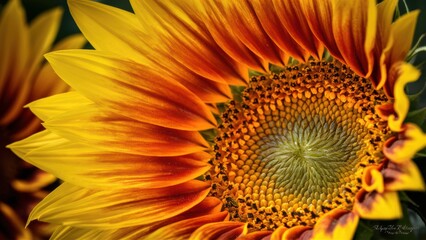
<point x="354" y="29"/>
<point x="124" y="86"/>
<point x="214" y="230"/>
<point x="75" y="206"/>
<point x="278" y="233"/>
<point x="269" y="17"/>
<point x="247" y="27"/>
<point x="292" y="12"/>
<point x="403" y="176"/>
<point x="372" y="180"/>
<point x="105" y="130"/>
<point x="319" y="17"/>
<point x="375" y="205"/>
<point x="299" y="232"/>
<point x="225" y="37"/>
<point x="406" y="74"/>
<point x="183" y="229"/>
<point x="178" y="27"/>
<point x="336" y="224"/>
<point x="257" y="235"/>
<point x="404" y="147"/>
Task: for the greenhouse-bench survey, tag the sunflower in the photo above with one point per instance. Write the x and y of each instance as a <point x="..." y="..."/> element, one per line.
<point x="25" y="77"/>
<point x="225" y="119"/>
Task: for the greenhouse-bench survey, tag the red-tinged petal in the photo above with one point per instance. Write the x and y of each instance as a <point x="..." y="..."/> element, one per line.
<point x="336" y="224"/>
<point x="372" y="180"/>
<point x="354" y="29"/>
<point x="208" y="208"/>
<point x="291" y="12"/>
<point x="247" y="27"/>
<point x="70" y="205"/>
<point x="183" y="229"/>
<point x="14" y="48"/>
<point x="403" y="176"/>
<point x="269" y="17"/>
<point x="225" y="37"/>
<point x="178" y="27"/>
<point x="102" y="129"/>
<point x="375" y="205"/>
<point x="105" y="169"/>
<point x="319" y="17"/>
<point x="385" y="110"/>
<point x="403" y="148"/>
<point x="214" y="230"/>
<point x="299" y="232"/>
<point x="406" y="74"/>
<point x="257" y="235"/>
<point x="124" y="86"/>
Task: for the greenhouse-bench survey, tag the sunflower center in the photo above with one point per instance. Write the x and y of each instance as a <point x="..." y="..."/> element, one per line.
<point x="296" y="145"/>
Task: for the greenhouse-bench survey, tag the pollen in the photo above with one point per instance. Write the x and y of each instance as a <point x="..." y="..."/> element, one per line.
<point x="296" y="145"/>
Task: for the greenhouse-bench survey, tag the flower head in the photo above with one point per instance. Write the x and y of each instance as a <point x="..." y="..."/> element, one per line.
<point x="24" y="77"/>
<point x="312" y="136"/>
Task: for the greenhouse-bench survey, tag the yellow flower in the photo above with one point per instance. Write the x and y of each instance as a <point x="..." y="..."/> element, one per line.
<point x="25" y="77"/>
<point x="313" y="139"/>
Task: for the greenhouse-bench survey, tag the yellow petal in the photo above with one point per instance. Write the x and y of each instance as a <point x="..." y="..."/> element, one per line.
<point x="406" y="74"/>
<point x="131" y="89"/>
<point x="99" y="22"/>
<point x="403" y="176"/>
<point x="105" y="130"/>
<point x="70" y="205"/>
<point x="409" y="142"/>
<point x="375" y="205"/>
<point x="108" y="170"/>
<point x="50" y="107"/>
<point x="354" y="26"/>
<point x="67" y="232"/>
<point x="336" y="224"/>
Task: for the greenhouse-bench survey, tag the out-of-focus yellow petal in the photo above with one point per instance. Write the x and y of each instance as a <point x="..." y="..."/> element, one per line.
<point x="102" y="129"/>
<point x="16" y="227"/>
<point x="14" y="48"/>
<point x="403" y="176"/>
<point x="354" y="28"/>
<point x="70" y="205"/>
<point x="375" y="205"/>
<point x="404" y="148"/>
<point x="336" y="224"/>
<point x="407" y="73"/>
<point x="132" y="90"/>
